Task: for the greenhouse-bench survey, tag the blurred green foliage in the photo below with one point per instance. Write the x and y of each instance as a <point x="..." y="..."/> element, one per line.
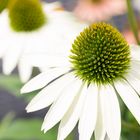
<point x="11" y="83"/>
<point x="24" y="129"/>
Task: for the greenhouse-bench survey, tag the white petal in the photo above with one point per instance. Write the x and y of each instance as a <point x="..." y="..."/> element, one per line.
<point x="70" y="119"/>
<point x="43" y="69"/>
<point x="134" y="81"/>
<point x="49" y="94"/>
<point x="5" y="34"/>
<point x="61" y="105"/>
<point x="111" y="110"/>
<point x="52" y="60"/>
<point x="135" y="66"/>
<point x="25" y="70"/>
<point x="51" y="6"/>
<point x="100" y="131"/>
<point x="42" y="79"/>
<point x="130" y="98"/>
<point x="11" y="58"/>
<point x="88" y="116"/>
<point x="2" y="48"/>
<point x="135" y="51"/>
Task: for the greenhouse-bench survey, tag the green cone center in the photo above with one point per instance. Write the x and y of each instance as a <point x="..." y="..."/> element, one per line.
<point x="3" y="4"/>
<point x="100" y="54"/>
<point x="26" y="15"/>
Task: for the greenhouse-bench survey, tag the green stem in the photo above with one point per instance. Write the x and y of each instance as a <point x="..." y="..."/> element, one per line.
<point x="131" y="127"/>
<point x="132" y="21"/>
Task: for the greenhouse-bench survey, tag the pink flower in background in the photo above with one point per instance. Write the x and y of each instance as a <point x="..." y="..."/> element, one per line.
<point x="91" y="11"/>
<point x="128" y="33"/>
<point x="129" y="36"/>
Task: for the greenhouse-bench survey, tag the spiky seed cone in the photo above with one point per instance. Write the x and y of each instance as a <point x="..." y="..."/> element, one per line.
<point x="26" y="15"/>
<point x="100" y="54"/>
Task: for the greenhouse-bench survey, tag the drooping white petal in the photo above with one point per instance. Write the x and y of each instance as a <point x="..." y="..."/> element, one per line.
<point x="43" y="69"/>
<point x="52" y="60"/>
<point x="100" y="130"/>
<point x="111" y="111"/>
<point x="135" y="65"/>
<point x="135" y="51"/>
<point x="5" y="27"/>
<point x="25" y="70"/>
<point x="61" y="105"/>
<point x="71" y="118"/>
<point x="48" y="7"/>
<point x="134" y="81"/>
<point x="130" y="98"/>
<point x="43" y="79"/>
<point x="49" y="94"/>
<point x="3" y="48"/>
<point x="11" y="58"/>
<point x="88" y="116"/>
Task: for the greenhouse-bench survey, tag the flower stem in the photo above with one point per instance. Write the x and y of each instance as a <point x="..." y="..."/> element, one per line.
<point x="132" y="21"/>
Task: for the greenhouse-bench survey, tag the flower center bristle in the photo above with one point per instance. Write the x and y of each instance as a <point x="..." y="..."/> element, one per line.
<point x="26" y="15"/>
<point x="100" y="54"/>
<point x="3" y="4"/>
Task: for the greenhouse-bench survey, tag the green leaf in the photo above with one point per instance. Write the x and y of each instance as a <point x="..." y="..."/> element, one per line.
<point x="26" y="129"/>
<point x="11" y="83"/>
<point x="4" y="124"/>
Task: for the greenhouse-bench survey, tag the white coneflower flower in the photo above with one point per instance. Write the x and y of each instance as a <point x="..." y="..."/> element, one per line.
<point x="18" y="28"/>
<point x="83" y="87"/>
<point x="30" y="27"/>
